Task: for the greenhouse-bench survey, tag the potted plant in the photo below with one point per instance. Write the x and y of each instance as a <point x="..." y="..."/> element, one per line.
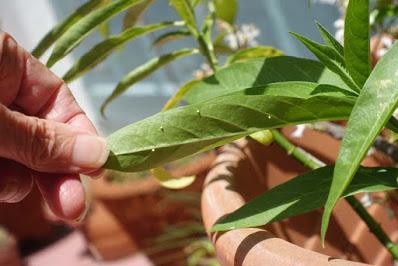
<point x="252" y="97"/>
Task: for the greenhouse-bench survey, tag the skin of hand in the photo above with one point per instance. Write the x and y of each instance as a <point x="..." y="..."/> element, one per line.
<point x="45" y="137"/>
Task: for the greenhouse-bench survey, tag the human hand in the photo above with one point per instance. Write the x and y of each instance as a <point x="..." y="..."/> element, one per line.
<point x="44" y="135"/>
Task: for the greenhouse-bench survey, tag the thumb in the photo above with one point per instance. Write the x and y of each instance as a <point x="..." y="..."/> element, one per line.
<point x="49" y="146"/>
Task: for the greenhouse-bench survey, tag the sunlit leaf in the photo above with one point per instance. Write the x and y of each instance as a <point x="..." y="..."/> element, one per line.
<point x="250" y="53"/>
<point x="134" y="13"/>
<point x="169" y="181"/>
<point x="185" y="10"/>
<point x="330" y="58"/>
<point x="177" y="97"/>
<point x="170" y="36"/>
<point x="78" y="31"/>
<point x="357" y="40"/>
<point x="63" y="26"/>
<point x="264" y="137"/>
<point x="330" y="40"/>
<point x="226" y="10"/>
<point x="261" y="71"/>
<point x="102" y="50"/>
<point x="373" y="108"/>
<point x="144" y="71"/>
<point x="195" y="128"/>
<point x="303" y="194"/>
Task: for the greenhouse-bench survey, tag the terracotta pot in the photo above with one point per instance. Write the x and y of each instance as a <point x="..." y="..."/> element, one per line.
<point x="9" y="253"/>
<point x="246" y="169"/>
<point x="124" y="216"/>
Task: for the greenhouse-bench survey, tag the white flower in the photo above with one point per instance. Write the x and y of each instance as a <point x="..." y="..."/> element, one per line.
<point x="204" y="71"/>
<point x="243" y="36"/>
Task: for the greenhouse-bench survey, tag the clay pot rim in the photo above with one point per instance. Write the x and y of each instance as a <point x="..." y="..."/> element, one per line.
<point x="283" y="251"/>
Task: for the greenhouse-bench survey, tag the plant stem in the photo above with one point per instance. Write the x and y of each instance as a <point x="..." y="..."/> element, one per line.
<point x="313" y="163"/>
<point x="204" y="37"/>
<point x="374" y="227"/>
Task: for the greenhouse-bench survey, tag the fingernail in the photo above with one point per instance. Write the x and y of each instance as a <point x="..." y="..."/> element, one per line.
<point x="89" y="152"/>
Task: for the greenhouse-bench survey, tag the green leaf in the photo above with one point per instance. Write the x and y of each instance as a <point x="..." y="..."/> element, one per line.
<point x="177" y="97"/>
<point x="185" y="10"/>
<point x="134" y="13"/>
<point x="330" y="40"/>
<point x="170" y="36"/>
<point x="144" y="71"/>
<point x="78" y="31"/>
<point x="357" y="41"/>
<point x="264" y="137"/>
<point x="63" y="26"/>
<point x="103" y="28"/>
<point x="261" y="71"/>
<point x="195" y="128"/>
<point x="373" y="108"/>
<point x="250" y="53"/>
<point x="169" y="181"/>
<point x="226" y="10"/>
<point x="102" y="50"/>
<point x="330" y="58"/>
<point x="303" y="194"/>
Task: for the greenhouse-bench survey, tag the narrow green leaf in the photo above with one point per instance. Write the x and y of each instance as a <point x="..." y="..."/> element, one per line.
<point x="102" y="50"/>
<point x="195" y="128"/>
<point x="357" y="40"/>
<point x="63" y="26"/>
<point x="185" y="10"/>
<point x="373" y="108"/>
<point x="144" y="71"/>
<point x="261" y="71"/>
<point x="134" y="13"/>
<point x="330" y="58"/>
<point x="303" y="194"/>
<point x="330" y="40"/>
<point x="226" y="10"/>
<point x="169" y="181"/>
<point x="78" y="31"/>
<point x="250" y="53"/>
<point x="177" y="97"/>
<point x="170" y="36"/>
<point x="103" y="28"/>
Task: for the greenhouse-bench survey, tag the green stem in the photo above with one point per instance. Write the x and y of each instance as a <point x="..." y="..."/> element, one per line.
<point x="204" y="37"/>
<point x="313" y="163"/>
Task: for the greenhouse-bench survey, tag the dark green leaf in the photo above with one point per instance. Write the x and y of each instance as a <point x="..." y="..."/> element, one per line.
<point x="78" y="31"/>
<point x="226" y="10"/>
<point x="330" y="58"/>
<point x="250" y="53"/>
<point x="261" y="71"/>
<point x="356" y="40"/>
<point x="101" y="51"/>
<point x="303" y="194"/>
<point x="63" y="26"/>
<point x="373" y="108"/>
<point x="330" y="40"/>
<point x="134" y="13"/>
<point x="170" y="36"/>
<point x="195" y="128"/>
<point x="185" y="10"/>
<point x="144" y="71"/>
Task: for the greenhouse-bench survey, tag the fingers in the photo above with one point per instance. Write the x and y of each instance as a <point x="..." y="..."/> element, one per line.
<point x="64" y="194"/>
<point x="15" y="181"/>
<point x="27" y="84"/>
<point x="48" y="146"/>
